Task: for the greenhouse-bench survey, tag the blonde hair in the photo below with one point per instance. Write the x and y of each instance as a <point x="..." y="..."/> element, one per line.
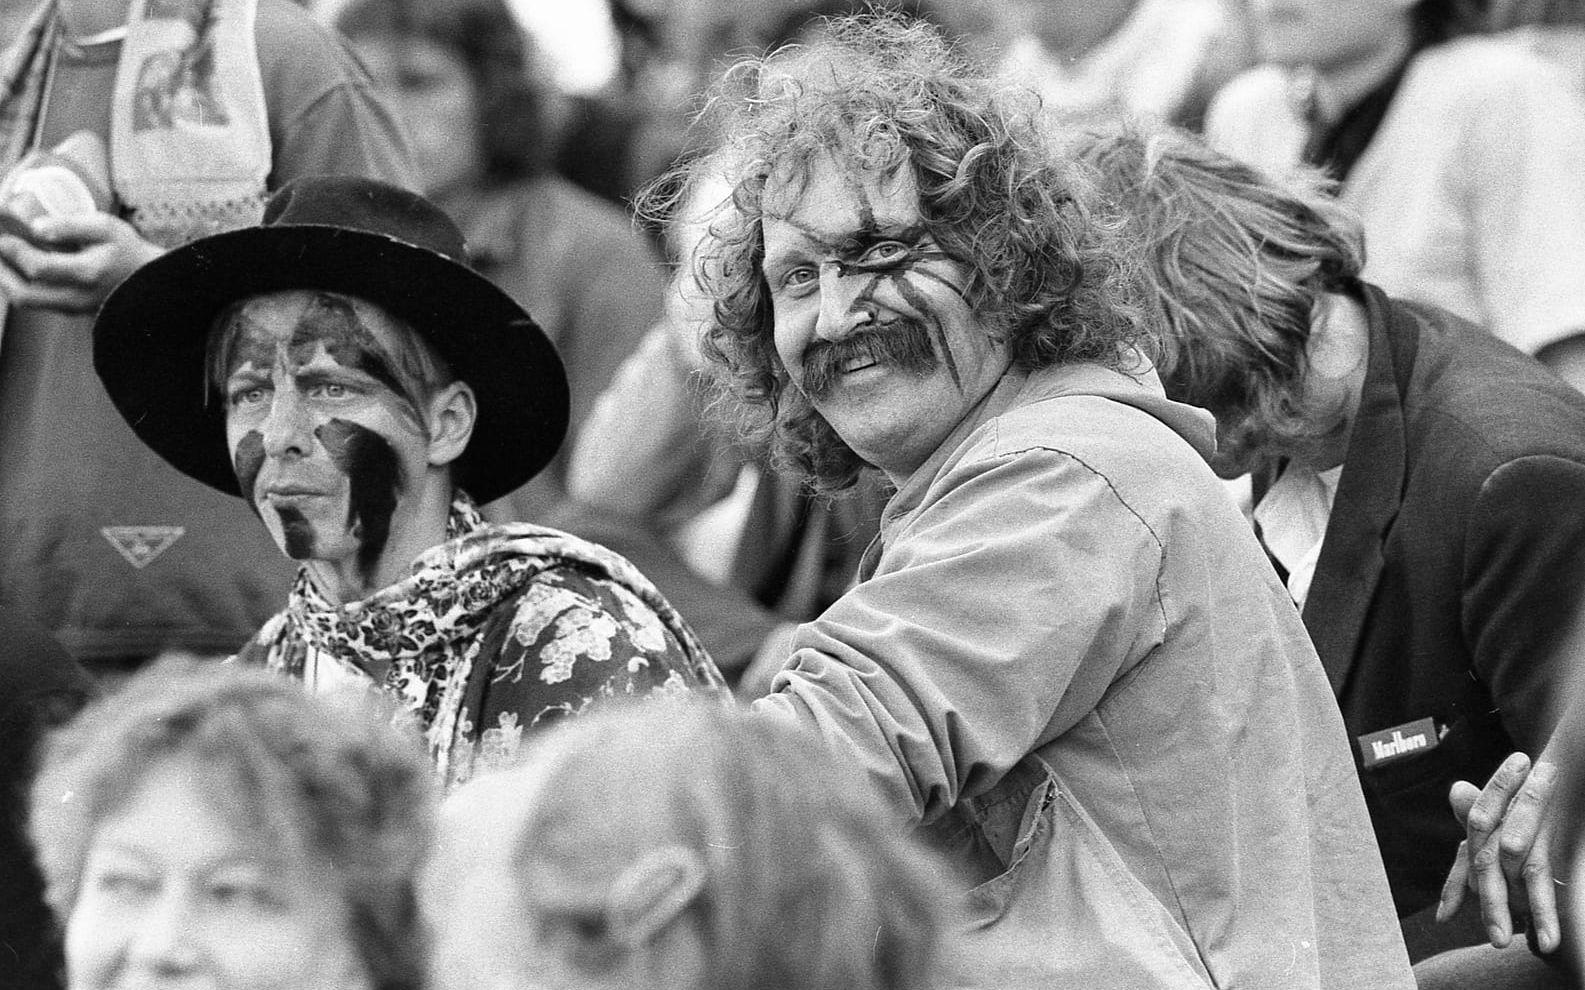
<point x="809" y="881"/>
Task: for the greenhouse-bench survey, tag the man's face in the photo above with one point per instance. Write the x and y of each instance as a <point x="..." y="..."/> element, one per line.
<point x="325" y="426"/>
<point x="869" y="315"/>
<point x="1327" y="34"/>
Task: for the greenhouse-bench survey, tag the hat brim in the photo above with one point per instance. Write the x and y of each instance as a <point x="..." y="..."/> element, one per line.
<point x="152" y="333"/>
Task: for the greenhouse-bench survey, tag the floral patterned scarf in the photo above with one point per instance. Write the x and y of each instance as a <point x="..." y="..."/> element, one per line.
<point x="413" y="637"/>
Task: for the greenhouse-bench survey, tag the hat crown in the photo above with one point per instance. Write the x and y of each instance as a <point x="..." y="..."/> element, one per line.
<point x="373" y="207"/>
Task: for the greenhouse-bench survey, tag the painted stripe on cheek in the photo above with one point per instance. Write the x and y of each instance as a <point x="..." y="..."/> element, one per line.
<point x="375" y="473"/>
<point x="247" y="462"/>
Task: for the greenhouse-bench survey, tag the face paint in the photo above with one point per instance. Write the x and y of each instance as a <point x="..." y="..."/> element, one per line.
<point x="247" y="462"/>
<point x="333" y="323"/>
<point x="870" y="317"/>
<point x="921" y="329"/>
<point x="375" y="473"/>
<point x="297" y="533"/>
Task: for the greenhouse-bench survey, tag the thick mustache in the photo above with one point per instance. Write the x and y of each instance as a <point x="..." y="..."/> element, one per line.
<point x="903" y="343"/>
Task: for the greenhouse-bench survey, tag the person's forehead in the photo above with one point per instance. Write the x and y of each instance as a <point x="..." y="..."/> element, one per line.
<point x="830" y="199"/>
<point x="300" y="316"/>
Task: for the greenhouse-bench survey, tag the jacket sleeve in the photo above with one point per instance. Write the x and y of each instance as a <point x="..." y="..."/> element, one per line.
<point x="999" y="613"/>
<point x="1524" y="579"/>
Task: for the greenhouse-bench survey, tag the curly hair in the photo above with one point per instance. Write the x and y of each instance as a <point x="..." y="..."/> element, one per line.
<point x="1236" y="268"/>
<point x="882" y="93"/>
<point x="330" y="781"/>
<point x="805" y="878"/>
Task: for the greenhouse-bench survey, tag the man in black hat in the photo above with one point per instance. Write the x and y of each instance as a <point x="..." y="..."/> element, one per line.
<point x="345" y="372"/>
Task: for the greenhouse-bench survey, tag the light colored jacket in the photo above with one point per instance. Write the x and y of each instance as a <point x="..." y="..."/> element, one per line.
<point x="1069" y="660"/>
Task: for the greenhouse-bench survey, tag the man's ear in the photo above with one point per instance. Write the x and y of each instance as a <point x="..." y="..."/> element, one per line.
<point x="652" y="893"/>
<point x="452" y="412"/>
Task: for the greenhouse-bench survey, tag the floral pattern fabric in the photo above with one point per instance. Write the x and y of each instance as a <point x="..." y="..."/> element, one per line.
<point x="500" y="630"/>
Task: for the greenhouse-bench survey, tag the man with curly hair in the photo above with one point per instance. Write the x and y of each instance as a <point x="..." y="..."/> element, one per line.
<point x="1066" y="656"/>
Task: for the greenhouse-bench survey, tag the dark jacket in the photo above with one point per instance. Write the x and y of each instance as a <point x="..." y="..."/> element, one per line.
<point x="40" y="687"/>
<point x="1453" y="560"/>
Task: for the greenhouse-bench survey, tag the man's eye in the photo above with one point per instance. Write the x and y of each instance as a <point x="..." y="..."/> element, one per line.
<point x="885" y="253"/>
<point x="802" y="275"/>
<point x="330" y="390"/>
<point x="242" y="895"/>
<point x="123" y="883"/>
<point x="246" y="395"/>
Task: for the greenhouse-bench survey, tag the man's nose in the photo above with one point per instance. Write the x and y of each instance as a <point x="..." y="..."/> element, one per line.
<point x="167" y="939"/>
<point x="288" y="429"/>
<point x="846" y="302"/>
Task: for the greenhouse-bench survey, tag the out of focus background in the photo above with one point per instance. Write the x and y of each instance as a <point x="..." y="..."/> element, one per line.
<point x="620" y="77"/>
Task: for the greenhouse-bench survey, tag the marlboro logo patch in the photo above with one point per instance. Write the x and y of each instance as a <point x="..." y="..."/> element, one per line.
<point x="1398" y="743"/>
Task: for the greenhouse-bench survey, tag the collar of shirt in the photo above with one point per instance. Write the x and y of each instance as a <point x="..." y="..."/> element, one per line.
<point x="1292" y="517"/>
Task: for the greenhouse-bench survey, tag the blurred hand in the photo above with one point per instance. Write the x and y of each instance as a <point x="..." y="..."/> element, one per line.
<point x="1504" y="858"/>
<point x="72" y="263"/>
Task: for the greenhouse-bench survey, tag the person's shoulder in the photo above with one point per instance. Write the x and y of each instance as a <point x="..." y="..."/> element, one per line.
<point x="601" y="226"/>
<point x="1492" y="70"/>
<point x="1252" y="118"/>
<point x="1250" y="90"/>
<point x="284" y="23"/>
<point x="1475" y="393"/>
<point x="295" y="47"/>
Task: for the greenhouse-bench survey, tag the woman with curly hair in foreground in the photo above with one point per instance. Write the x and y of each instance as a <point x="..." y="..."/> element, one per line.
<point x="215" y="823"/>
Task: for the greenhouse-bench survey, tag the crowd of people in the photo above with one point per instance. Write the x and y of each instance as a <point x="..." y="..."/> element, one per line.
<point x="954" y="495"/>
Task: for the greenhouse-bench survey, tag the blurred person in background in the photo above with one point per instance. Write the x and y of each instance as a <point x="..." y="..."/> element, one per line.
<point x="1555" y="28"/>
<point x="214" y="826"/>
<point x="41" y="687"/>
<point x="342" y="371"/>
<point x="463" y="76"/>
<point x="1460" y="153"/>
<point x="1156" y="59"/>
<point x="639" y="126"/>
<point x="197" y="109"/>
<point x="1417" y="482"/>
<point x="686" y="847"/>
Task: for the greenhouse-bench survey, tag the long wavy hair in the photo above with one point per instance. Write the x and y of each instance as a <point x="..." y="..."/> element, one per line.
<point x="1237" y="266"/>
<point x="881" y="94"/>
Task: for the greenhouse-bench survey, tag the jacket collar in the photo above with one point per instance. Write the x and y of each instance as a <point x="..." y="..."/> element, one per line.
<point x="1368" y="493"/>
<point x="1137" y="384"/>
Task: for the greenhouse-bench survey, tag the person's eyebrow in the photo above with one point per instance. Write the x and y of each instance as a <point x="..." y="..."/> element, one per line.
<point x="842" y="246"/>
<point x="783" y="260"/>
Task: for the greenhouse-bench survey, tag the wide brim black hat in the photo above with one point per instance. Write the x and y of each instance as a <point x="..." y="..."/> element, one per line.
<point x="348" y="235"/>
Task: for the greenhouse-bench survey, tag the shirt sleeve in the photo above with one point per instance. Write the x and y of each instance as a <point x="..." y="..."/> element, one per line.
<point x="1524" y="581"/>
<point x="569" y="640"/>
<point x="997" y="616"/>
<point x="326" y="116"/>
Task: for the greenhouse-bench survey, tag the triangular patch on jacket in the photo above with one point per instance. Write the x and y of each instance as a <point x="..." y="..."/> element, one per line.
<point x="140" y="545"/>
